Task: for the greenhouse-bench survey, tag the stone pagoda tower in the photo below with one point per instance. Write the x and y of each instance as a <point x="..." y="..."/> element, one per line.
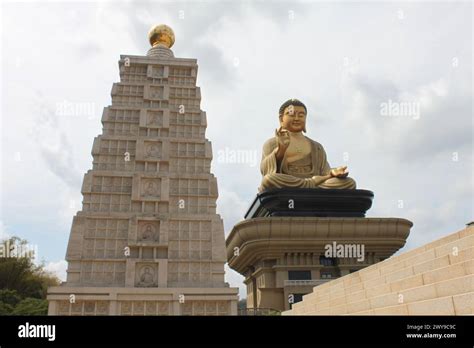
<point x="148" y="240"/>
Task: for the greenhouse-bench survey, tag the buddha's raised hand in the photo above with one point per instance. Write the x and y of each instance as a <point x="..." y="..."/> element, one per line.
<point x="283" y="137"/>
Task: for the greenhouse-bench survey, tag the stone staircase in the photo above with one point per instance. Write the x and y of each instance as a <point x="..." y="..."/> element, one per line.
<point x="434" y="279"/>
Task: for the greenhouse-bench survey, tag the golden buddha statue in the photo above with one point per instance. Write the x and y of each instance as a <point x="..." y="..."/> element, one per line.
<point x="290" y="159"/>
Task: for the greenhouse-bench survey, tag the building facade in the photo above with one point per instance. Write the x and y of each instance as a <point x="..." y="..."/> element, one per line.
<point x="148" y="240"/>
<point x="284" y="257"/>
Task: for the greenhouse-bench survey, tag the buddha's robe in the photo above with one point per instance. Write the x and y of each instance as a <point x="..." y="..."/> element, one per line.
<point x="306" y="172"/>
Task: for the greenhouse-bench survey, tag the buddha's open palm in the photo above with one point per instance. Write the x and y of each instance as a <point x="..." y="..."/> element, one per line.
<point x="340" y="172"/>
<point x="283" y="137"/>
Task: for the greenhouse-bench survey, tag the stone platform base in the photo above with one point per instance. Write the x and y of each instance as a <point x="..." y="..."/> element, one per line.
<point x="282" y="257"/>
<point x="64" y="300"/>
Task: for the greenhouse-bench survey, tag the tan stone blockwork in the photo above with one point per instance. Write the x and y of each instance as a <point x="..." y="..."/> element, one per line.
<point x="392" y="310"/>
<point x="464" y="303"/>
<point x="407" y="283"/>
<point x="148" y="228"/>
<point x="435" y="306"/>
<point x="437" y="280"/>
<point x="439" y="262"/>
<point x="455" y="286"/>
<point x="440" y="274"/>
<point x="141" y="301"/>
<point x="462" y="255"/>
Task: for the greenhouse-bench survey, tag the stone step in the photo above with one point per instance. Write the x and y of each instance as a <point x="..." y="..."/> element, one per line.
<point x="459" y="289"/>
<point x="409" y="257"/>
<point x="428" y="277"/>
<point x="436" y="271"/>
<point x="405" y="277"/>
<point x="441" y="247"/>
<point x="462" y="304"/>
<point x="449" y="287"/>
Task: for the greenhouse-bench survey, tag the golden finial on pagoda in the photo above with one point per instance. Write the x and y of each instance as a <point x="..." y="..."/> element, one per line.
<point x="161" y="35"/>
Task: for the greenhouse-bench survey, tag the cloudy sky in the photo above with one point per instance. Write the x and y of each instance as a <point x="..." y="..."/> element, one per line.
<point x="353" y="64"/>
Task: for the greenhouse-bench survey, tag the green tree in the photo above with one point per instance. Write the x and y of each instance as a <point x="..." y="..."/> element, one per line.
<point x="5" y="309"/>
<point x="9" y="297"/>
<point x="23" y="284"/>
<point x="31" y="306"/>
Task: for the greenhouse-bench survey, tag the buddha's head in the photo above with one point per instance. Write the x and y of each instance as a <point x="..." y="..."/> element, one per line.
<point x="292" y="115"/>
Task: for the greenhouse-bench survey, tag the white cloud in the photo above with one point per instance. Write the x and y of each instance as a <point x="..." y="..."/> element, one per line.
<point x="57" y="268"/>
<point x="3" y="231"/>
<point x="235" y="280"/>
<point x="54" y="145"/>
<point x="231" y="208"/>
<point x="342" y="59"/>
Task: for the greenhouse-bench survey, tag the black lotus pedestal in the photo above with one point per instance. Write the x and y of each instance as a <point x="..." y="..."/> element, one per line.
<point x="311" y="202"/>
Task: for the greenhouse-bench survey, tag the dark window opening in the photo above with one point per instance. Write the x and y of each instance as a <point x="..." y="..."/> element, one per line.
<point x="326" y="261"/>
<point x="299" y="275"/>
<point x="296" y="298"/>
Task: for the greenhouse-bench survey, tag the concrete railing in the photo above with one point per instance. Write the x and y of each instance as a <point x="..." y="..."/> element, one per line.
<point x="312" y="282"/>
<point x="258" y="311"/>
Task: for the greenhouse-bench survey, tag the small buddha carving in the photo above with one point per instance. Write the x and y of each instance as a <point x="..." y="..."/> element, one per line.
<point x="146" y="278"/>
<point x="148" y="233"/>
